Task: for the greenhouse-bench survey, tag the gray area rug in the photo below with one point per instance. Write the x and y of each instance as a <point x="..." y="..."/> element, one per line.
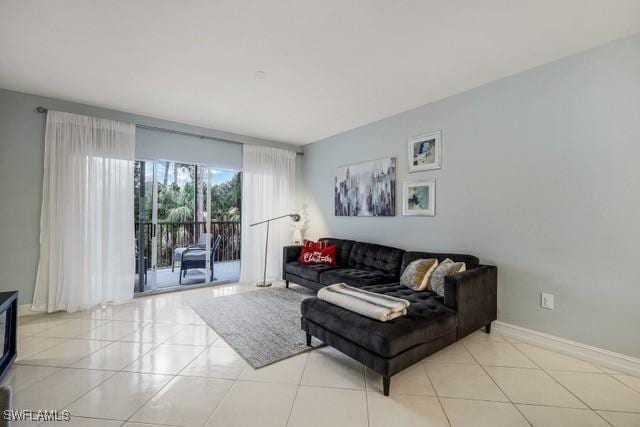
<point x="262" y="326"/>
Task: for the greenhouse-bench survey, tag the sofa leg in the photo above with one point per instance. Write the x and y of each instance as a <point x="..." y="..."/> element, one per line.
<point x="386" y="384"/>
<point x="487" y="328"/>
<point x="308" y="339"/>
<point x="286" y="283"/>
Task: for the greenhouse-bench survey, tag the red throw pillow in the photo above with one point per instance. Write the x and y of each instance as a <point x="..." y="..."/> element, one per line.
<point x="316" y="246"/>
<point x="325" y="256"/>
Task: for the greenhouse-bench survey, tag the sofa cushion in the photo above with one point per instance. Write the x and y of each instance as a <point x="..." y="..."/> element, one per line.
<point x="307" y="271"/>
<point x="470" y="261"/>
<point x="369" y="256"/>
<point x="427" y="319"/>
<point x="344" y="248"/>
<point x="355" y="277"/>
<point x="194" y="255"/>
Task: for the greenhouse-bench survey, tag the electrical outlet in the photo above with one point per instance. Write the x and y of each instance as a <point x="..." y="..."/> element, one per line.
<point x="546" y="301"/>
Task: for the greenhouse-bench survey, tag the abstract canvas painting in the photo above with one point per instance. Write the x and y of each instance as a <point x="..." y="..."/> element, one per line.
<point x="366" y="189"/>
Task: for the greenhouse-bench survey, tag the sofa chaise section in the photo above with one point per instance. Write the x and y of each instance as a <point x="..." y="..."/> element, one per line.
<point x="432" y="321"/>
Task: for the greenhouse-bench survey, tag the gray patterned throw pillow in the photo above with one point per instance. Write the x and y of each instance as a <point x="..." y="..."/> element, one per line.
<point x="416" y="275"/>
<point x="445" y="268"/>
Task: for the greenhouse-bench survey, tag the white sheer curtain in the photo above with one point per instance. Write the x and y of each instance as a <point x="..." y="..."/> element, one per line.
<point x="87" y="251"/>
<point x="268" y="187"/>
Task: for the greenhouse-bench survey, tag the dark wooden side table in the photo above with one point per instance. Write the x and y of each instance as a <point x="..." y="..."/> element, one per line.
<point x="8" y="329"/>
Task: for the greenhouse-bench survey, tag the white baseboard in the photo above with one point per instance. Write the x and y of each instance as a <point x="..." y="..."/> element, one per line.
<point x="598" y="356"/>
<point x="25" y="310"/>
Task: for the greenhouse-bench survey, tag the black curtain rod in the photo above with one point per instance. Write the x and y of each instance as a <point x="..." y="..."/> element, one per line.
<point x="175" y="132"/>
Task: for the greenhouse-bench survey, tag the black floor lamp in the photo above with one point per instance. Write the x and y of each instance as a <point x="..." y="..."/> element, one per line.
<point x="294" y="218"/>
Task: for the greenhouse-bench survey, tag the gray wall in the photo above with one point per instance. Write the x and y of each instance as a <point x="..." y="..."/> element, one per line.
<point x="21" y="171"/>
<point x="540" y="177"/>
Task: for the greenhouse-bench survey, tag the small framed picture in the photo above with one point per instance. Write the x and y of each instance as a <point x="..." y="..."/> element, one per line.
<point x="419" y="198"/>
<point x="425" y="152"/>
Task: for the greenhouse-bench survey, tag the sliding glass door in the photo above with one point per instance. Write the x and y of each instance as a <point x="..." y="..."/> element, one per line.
<point x="145" y="217"/>
<point x="226" y="209"/>
<point x="187" y="224"/>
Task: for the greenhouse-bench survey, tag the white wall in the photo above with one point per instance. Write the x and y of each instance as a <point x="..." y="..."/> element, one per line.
<point x="540" y="177"/>
<point x="157" y="145"/>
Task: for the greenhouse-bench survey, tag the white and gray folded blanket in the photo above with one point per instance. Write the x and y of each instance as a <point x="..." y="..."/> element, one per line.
<point x="369" y="304"/>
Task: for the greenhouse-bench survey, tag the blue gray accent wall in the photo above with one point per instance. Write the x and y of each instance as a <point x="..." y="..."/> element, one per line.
<point x="539" y="176"/>
<point x="21" y="171"/>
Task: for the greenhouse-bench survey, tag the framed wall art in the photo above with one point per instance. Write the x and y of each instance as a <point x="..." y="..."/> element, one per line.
<point x="419" y="198"/>
<point x="425" y="152"/>
<point x="366" y="189"/>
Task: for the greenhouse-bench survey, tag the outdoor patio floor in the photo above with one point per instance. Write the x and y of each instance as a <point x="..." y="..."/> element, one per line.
<point x="223" y="272"/>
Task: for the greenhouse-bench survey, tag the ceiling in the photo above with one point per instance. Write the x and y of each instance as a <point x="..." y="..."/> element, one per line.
<point x="288" y="70"/>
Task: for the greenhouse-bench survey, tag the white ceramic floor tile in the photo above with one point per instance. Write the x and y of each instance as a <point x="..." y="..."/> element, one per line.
<point x="633" y="382"/>
<point x="532" y="386"/>
<point x="20" y="377"/>
<point x="193" y="335"/>
<point x="216" y="362"/>
<point x="412" y="380"/>
<point x="115" y="356"/>
<point x="463" y="381"/>
<point x="621" y="419"/>
<point x="254" y="404"/>
<point x="185" y="401"/>
<point x="221" y="343"/>
<point x="546" y="416"/>
<point x="83" y="422"/>
<point x="327" y="367"/>
<point x="112" y="330"/>
<point x="60" y="389"/>
<point x="476" y="413"/>
<point x="322" y="406"/>
<point x="405" y="410"/>
<point x="65" y="353"/>
<point x="142" y="425"/>
<point x="120" y="396"/>
<point x="154" y="332"/>
<point x="165" y="359"/>
<point x="28" y="346"/>
<point x="498" y="354"/>
<point x="29" y="325"/>
<point x="288" y="371"/>
<point x="482" y="336"/>
<point x="554" y="361"/>
<point x="71" y="328"/>
<point x="455" y="353"/>
<point x="610" y="371"/>
<point x="600" y="391"/>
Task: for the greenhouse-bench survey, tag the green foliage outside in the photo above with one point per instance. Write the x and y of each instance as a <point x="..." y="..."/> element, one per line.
<point x="176" y="203"/>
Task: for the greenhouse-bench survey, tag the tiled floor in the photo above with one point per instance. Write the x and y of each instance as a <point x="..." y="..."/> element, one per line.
<point x="154" y="362"/>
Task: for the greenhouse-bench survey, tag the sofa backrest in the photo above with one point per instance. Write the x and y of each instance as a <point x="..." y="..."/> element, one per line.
<point x="343" y="249"/>
<point x="410" y="256"/>
<point x="369" y="256"/>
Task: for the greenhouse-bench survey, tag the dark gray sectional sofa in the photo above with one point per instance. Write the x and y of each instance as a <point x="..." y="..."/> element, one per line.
<point x="432" y="322"/>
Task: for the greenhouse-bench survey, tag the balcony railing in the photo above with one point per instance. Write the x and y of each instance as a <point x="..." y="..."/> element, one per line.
<point x="173" y="234"/>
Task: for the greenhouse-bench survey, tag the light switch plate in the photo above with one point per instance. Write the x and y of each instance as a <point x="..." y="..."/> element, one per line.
<point x="546" y="301"/>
